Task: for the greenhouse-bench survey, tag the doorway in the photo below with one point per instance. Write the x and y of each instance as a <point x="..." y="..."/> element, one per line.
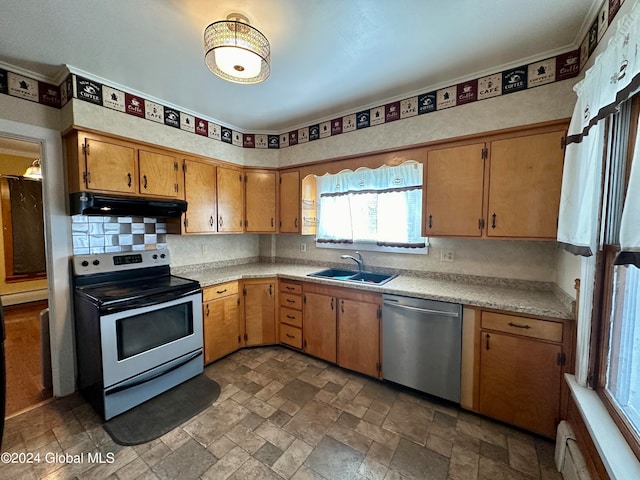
<point x="23" y="283"/>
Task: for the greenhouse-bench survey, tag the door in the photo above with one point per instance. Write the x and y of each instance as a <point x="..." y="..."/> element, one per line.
<point x="221" y="327"/>
<point x="319" y="326"/>
<point x="524" y="186"/>
<point x="110" y="166"/>
<point x="158" y="174"/>
<point x="520" y="381"/>
<point x="290" y="202"/>
<point x="454" y="179"/>
<point x="200" y="194"/>
<point x="260" y="192"/>
<point x="259" y="313"/>
<point x="230" y="196"/>
<point x="359" y="336"/>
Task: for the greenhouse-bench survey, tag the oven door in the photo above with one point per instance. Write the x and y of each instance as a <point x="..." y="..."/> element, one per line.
<point x="141" y="339"/>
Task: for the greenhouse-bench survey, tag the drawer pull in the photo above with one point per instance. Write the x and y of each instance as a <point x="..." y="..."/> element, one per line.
<point x="290" y="301"/>
<point x="291" y="317"/>
<point x="290" y="336"/>
<point x="221" y="291"/>
<point x="289" y="287"/>
<point x="515" y="325"/>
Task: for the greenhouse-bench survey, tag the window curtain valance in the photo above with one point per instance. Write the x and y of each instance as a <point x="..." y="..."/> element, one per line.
<point x="613" y="78"/>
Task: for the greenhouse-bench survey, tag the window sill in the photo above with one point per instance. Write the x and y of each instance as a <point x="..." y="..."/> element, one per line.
<point x="614" y="451"/>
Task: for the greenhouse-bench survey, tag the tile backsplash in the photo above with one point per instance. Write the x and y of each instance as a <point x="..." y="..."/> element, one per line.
<point x="96" y="234"/>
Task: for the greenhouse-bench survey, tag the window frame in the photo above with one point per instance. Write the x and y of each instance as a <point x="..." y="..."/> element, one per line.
<point x="601" y="318"/>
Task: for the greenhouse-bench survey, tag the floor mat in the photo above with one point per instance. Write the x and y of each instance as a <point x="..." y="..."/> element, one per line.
<point x="163" y="413"/>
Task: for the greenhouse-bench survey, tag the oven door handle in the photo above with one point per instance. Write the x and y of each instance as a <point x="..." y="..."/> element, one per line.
<point x="136" y="383"/>
<point x="143" y="302"/>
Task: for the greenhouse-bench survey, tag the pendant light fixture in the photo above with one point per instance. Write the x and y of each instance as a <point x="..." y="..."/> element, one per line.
<point x="34" y="172"/>
<point x="235" y="51"/>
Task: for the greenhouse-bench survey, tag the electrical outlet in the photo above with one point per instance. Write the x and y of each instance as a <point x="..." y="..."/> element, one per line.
<point x="303" y="247"/>
<point x="205" y="249"/>
<point x="446" y="255"/>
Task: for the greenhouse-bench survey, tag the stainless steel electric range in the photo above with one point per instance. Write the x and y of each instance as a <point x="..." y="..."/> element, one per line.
<point x="138" y="328"/>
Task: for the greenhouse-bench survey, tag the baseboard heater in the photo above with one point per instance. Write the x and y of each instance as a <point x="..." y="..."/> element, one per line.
<point x="568" y="457"/>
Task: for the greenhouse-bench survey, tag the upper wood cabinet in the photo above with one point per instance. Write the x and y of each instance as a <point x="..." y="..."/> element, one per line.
<point x="525" y="178"/>
<point x="200" y="194"/>
<point x="230" y="199"/>
<point x="260" y="201"/>
<point x="289" y="196"/>
<point x="454" y="188"/>
<point x="102" y="164"/>
<point x="506" y="187"/>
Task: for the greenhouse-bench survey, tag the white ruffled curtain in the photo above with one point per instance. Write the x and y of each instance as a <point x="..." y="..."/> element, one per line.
<point x="612" y="80"/>
<point x="381" y="205"/>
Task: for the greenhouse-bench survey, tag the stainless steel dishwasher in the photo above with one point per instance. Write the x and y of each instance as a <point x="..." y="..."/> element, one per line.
<point x="422" y="345"/>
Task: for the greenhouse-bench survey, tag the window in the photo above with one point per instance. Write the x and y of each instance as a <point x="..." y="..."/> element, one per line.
<point x="372" y="209"/>
<point x="617" y="358"/>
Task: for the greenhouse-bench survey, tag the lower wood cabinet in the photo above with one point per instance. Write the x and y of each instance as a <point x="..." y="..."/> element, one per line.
<point x="342" y="326"/>
<point x="221" y="317"/>
<point x="290" y="314"/>
<point x="259" y="311"/>
<point x="521" y="363"/>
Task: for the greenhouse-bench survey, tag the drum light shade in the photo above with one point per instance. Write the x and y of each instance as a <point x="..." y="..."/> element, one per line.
<point x="237" y="52"/>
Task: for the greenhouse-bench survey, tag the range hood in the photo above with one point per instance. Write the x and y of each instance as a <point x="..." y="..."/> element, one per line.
<point x="86" y="203"/>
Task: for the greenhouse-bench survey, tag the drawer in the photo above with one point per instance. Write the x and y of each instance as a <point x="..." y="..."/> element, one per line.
<point x="290" y="335"/>
<point x="528" y="327"/>
<point x="291" y="317"/>
<point x="293" y="288"/>
<point x="219" y="291"/>
<point x="291" y="301"/>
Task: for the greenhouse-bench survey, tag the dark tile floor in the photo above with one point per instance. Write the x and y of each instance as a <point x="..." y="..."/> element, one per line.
<point x="284" y="415"/>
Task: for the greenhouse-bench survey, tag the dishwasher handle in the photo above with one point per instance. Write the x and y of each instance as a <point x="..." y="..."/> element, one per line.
<point x="422" y="310"/>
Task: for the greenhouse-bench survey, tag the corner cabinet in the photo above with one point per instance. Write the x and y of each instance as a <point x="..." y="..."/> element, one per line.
<point x="507" y="186"/>
<point x="521" y="361"/>
<point x="103" y="164"/>
<point x="260" y="201"/>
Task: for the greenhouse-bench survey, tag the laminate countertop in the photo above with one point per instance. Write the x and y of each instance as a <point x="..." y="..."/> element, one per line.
<point x="532" y="298"/>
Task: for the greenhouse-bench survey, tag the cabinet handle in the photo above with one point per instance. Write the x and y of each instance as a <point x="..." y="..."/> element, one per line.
<point x="342" y="306"/>
<point x="493" y="221"/>
<point x="332" y="304"/>
<point x="289" y="287"/>
<point x="293" y="301"/>
<point x="430" y="223"/>
<point x="220" y="221"/>
<point x="211" y="221"/>
<point x="486" y="345"/>
<point x="221" y="291"/>
<point x="129" y="180"/>
<point x="515" y="325"/>
<point x="272" y="221"/>
<point x="290" y="336"/>
<point x="270" y="289"/>
<point x="291" y="317"/>
<point x="295" y="222"/>
<point x="144" y="179"/>
<point x="207" y="312"/>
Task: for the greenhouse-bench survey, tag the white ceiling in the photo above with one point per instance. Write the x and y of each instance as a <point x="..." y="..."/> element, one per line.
<point x="328" y="57"/>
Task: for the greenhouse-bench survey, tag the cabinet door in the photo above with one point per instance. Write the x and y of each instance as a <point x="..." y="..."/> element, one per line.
<point x="524" y="186"/>
<point x="110" y="166"/>
<point x="520" y="381"/>
<point x="259" y="313"/>
<point x="454" y="179"/>
<point x="260" y="193"/>
<point x="158" y="174"/>
<point x="319" y="326"/>
<point x="221" y="327"/>
<point x="290" y="202"/>
<point x="359" y="336"/>
<point x="230" y="191"/>
<point x="200" y="194"/>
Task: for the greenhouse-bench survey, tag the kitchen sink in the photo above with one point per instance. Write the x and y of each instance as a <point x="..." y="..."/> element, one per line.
<point x="353" y="276"/>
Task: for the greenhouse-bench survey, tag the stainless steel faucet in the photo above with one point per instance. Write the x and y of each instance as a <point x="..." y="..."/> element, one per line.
<point x="358" y="260"/>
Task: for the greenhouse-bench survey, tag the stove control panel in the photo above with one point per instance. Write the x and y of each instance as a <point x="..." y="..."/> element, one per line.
<point x="118" y="262"/>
